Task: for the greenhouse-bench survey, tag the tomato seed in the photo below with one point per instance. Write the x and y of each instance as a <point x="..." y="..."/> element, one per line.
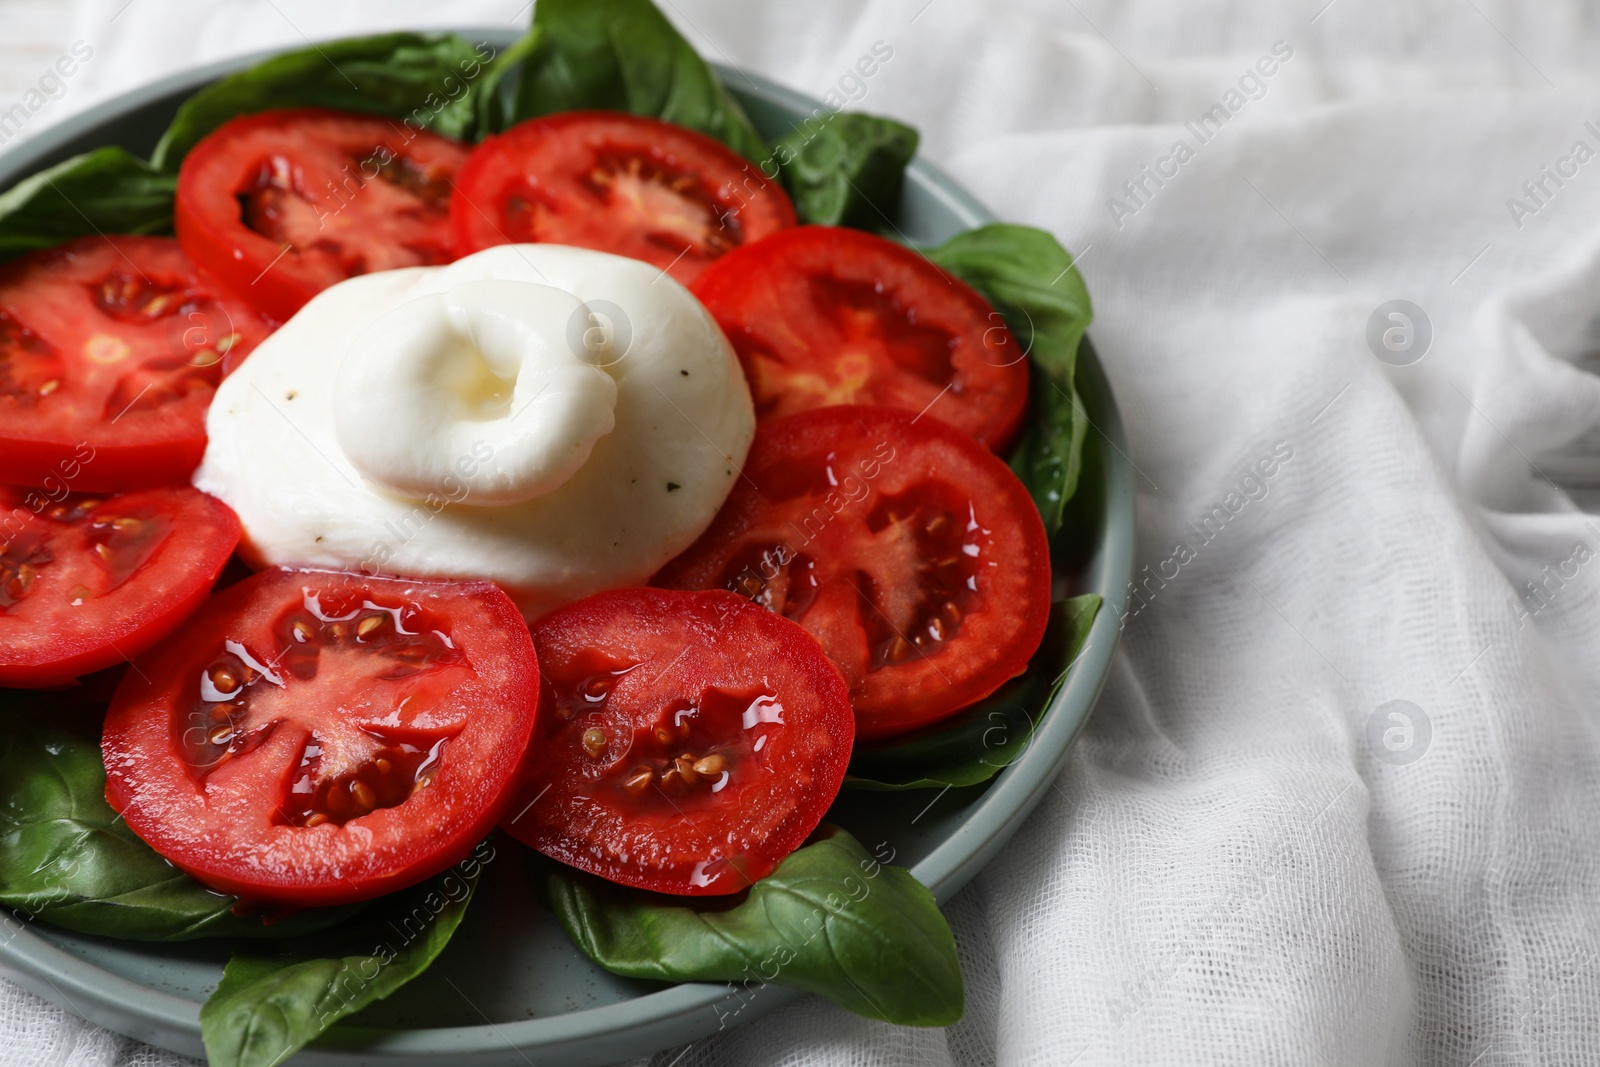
<point x="711" y="765"/>
<point x="594" y="742"/>
<point x="939" y="522"/>
<point x="369" y="624"/>
<point x="663" y="735"/>
<point x="383" y="765"/>
<point x="638" y="780"/>
<point x="363" y="794"/>
<point x="684" y="765"/>
<point x="317" y="819"/>
<point x="222" y="736"/>
<point x="951" y="613"/>
<point x="224" y="680"/>
<point x="899" y="649"/>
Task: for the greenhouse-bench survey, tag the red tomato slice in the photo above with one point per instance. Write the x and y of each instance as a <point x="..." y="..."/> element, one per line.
<point x="618" y="183"/>
<point x="823" y="316"/>
<point x="110" y="349"/>
<point x="282" y="204"/>
<point x="915" y="557"/>
<point x="688" y="741"/>
<point x="318" y="738"/>
<point x="86" y="583"/>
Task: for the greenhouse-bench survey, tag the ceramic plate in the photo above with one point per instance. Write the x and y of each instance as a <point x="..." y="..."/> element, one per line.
<point x="511" y="989"/>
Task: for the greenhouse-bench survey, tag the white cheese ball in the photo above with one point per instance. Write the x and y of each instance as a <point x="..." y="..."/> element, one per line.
<point x="556" y="420"/>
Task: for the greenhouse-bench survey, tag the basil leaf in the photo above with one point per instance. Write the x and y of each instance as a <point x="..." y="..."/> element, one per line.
<point x="67" y="859"/>
<point x="274" y="999"/>
<point x="104" y="191"/>
<point x="830" y="920"/>
<point x="431" y="81"/>
<point x="496" y="93"/>
<point x="968" y="750"/>
<point x="1032" y="282"/>
<point x="1048" y="457"/>
<point x="845" y="168"/>
<point x="623" y="55"/>
<point x="991" y="735"/>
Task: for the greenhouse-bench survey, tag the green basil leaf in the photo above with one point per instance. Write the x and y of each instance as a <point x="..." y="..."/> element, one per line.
<point x="967" y="750"/>
<point x="276" y="998"/>
<point x="831" y="920"/>
<point x="1048" y="457"/>
<point x="845" y="168"/>
<point x="67" y="859"/>
<point x="1032" y="281"/>
<point x="623" y="55"/>
<point x="430" y="81"/>
<point x="104" y="191"/>
<point x="496" y="92"/>
<point x="991" y="735"/>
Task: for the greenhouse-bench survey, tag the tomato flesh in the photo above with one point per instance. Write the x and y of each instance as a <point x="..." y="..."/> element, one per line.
<point x="347" y="768"/>
<point x="618" y="183"/>
<point x="823" y="316"/>
<point x="320" y="738"/>
<point x="688" y="741"/>
<point x="87" y="582"/>
<point x="110" y="350"/>
<point x="282" y="204"/>
<point x="915" y="557"/>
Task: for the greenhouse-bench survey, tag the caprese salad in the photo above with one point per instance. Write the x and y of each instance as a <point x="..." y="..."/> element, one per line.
<point x="501" y="447"/>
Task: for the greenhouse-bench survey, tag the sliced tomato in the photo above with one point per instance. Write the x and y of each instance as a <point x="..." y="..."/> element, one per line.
<point x="88" y="582"/>
<point x="282" y="204"/>
<point x="110" y="350"/>
<point x="688" y="742"/>
<point x="823" y="316"/>
<point x="618" y="183"/>
<point x="913" y="555"/>
<point x="317" y="738"/>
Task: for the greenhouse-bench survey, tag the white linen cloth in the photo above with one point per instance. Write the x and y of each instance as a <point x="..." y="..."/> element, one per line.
<point x="1249" y="858"/>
